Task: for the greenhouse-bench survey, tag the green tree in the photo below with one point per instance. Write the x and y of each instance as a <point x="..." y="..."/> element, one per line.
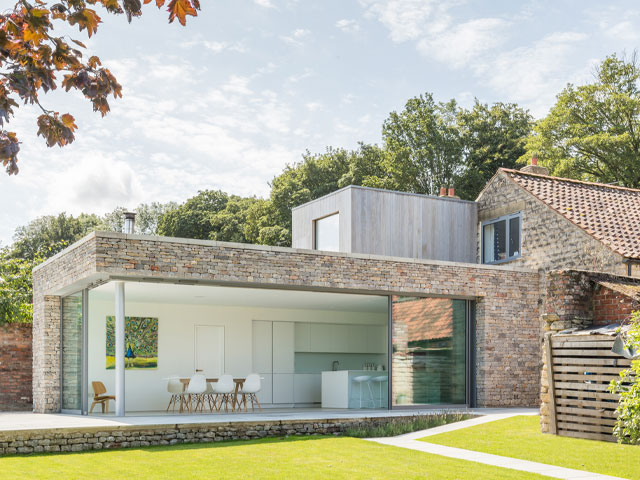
<point x="16" y="297"/>
<point x="493" y="137"/>
<point x="230" y="223"/>
<point x="593" y="131"/>
<point x="193" y="219"/>
<point x="147" y="218"/>
<point x="367" y="167"/>
<point x="262" y="225"/>
<point x="45" y="236"/>
<point x="424" y="145"/>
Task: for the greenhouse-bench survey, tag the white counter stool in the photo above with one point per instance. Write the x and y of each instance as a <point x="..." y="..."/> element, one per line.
<point x="380" y="380"/>
<point x="176" y="389"/>
<point x="359" y="380"/>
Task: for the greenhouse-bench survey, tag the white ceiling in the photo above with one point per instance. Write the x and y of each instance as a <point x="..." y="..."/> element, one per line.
<point x="237" y="296"/>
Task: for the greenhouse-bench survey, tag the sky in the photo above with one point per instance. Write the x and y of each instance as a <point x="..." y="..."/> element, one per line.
<point x="250" y="85"/>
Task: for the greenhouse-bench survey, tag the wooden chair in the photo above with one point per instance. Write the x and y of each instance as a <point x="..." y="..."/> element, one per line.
<point x="98" y="397"/>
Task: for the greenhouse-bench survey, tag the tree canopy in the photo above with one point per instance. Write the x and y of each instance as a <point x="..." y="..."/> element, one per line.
<point x="593" y="131"/>
<point x="33" y="60"/>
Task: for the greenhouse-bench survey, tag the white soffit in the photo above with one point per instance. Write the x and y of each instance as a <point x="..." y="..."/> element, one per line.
<point x="140" y="292"/>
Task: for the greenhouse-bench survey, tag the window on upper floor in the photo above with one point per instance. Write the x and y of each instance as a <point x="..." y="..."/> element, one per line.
<point x="501" y="239"/>
<point x="326" y="233"/>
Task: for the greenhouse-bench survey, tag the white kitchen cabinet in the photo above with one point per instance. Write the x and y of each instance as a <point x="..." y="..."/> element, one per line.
<point x="265" y="395"/>
<point x="283" y="347"/>
<point x="283" y="388"/>
<point x="376" y="339"/>
<point x="307" y="388"/>
<point x="320" y="337"/>
<point x="302" y="337"/>
<point x="262" y="346"/>
<point x="357" y="338"/>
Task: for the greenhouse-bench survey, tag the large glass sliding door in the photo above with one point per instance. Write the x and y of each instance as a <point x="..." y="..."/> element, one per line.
<point x="72" y="353"/>
<point x="429" y="359"/>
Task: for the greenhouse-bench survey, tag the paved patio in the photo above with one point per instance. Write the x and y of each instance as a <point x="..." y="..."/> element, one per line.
<point x="12" y="421"/>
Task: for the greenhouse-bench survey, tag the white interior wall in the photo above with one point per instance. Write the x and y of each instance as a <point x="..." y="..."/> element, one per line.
<point x="146" y="389"/>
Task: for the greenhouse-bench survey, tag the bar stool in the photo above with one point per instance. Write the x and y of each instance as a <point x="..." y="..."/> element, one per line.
<point x="380" y="380"/>
<point x="359" y="380"/>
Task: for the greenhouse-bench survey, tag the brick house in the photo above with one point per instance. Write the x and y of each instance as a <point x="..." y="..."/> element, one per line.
<point x="347" y="317"/>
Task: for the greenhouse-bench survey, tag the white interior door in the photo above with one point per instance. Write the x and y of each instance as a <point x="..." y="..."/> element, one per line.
<point x="209" y="350"/>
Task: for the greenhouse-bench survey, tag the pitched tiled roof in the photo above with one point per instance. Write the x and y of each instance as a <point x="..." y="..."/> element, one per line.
<point x="608" y="213"/>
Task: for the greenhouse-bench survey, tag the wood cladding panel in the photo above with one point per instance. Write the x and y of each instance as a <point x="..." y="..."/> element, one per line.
<point x="581" y="369"/>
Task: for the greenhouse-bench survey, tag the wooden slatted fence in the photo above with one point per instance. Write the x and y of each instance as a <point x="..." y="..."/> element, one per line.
<point x="579" y="372"/>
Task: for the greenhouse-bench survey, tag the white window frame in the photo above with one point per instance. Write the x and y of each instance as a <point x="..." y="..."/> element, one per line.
<point x="507" y="219"/>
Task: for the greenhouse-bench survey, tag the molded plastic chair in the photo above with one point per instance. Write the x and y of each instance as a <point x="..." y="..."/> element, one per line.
<point x="195" y="389"/>
<point x="224" y="390"/>
<point x="250" y="387"/>
<point x="99" y="398"/>
<point x="359" y="380"/>
<point x="176" y="389"/>
<point x="210" y="396"/>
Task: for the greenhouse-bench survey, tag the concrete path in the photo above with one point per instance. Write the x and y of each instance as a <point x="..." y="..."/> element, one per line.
<point x="410" y="441"/>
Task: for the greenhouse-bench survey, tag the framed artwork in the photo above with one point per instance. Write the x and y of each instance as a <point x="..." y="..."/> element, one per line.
<point x="141" y="343"/>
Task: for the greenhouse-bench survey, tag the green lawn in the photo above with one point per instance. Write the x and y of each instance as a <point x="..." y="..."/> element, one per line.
<point x="520" y="437"/>
<point x="297" y="457"/>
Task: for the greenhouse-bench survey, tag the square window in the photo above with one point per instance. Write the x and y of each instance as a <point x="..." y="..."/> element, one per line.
<point x="327" y="233"/>
<point x="501" y="239"/>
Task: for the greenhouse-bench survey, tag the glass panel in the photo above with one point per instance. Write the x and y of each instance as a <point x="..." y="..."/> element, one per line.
<point x="327" y="233"/>
<point x="429" y="351"/>
<point x="494" y="241"/>
<point x="514" y="237"/>
<point x="72" y="352"/>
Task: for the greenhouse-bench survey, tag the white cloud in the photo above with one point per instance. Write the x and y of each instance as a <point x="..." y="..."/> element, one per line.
<point x="533" y="75"/>
<point x="348" y="26"/>
<point x="410" y="19"/>
<point x="460" y="44"/>
<point x="264" y="3"/>
<point x="313" y="106"/>
<point x="215" y="46"/>
<point x="296" y="37"/>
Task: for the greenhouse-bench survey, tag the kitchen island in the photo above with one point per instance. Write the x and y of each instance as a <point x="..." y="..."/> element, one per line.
<point x="342" y="389"/>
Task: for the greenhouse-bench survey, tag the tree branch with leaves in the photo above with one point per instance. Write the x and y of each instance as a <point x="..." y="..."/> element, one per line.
<point x="33" y="61"/>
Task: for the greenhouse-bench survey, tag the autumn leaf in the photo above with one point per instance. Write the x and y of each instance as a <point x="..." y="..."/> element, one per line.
<point x="180" y="9"/>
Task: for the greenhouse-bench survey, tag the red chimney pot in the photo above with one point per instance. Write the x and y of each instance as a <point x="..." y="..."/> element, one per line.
<point x="452" y="192"/>
<point x="443" y="191"/>
<point x="534" y="160"/>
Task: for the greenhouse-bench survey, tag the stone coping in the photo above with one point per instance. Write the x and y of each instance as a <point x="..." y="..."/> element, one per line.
<point x="268" y="248"/>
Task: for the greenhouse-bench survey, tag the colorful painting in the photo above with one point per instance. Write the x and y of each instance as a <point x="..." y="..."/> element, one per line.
<point x="141" y="343"/>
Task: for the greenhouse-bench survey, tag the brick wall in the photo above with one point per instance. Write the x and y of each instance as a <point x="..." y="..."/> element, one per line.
<point x="507" y="308"/>
<point x="610" y="306"/>
<point x="15" y="367"/>
<point x="549" y="240"/>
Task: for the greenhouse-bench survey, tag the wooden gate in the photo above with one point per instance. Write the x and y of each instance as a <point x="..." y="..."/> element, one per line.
<point x="579" y="372"/>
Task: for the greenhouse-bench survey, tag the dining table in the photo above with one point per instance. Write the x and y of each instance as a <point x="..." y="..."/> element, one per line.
<point x="238" y="381"/>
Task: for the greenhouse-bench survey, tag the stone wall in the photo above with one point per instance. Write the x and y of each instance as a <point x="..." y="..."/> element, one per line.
<point x="105" y="438"/>
<point x="549" y="240"/>
<point x="507" y="308"/>
<point x="64" y="270"/>
<point x="15" y="367"/>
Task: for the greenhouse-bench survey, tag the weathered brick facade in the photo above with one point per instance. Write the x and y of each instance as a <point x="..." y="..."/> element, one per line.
<point x="15" y="367"/>
<point x="549" y="240"/>
<point x="507" y="308"/>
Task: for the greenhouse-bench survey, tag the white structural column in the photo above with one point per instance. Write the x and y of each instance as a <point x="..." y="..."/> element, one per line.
<point x="119" y="341"/>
